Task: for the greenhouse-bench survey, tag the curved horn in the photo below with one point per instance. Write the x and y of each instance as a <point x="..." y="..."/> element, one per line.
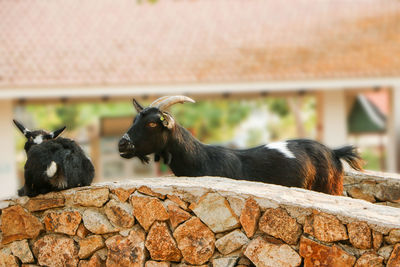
<point x="158" y="100"/>
<point x="172" y="100"/>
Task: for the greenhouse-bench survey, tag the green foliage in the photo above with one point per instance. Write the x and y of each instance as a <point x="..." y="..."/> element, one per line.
<point x="372" y="159"/>
<point x="278" y="106"/>
<point x="212" y="121"/>
<point x="285" y="126"/>
<point x="74" y="116"/>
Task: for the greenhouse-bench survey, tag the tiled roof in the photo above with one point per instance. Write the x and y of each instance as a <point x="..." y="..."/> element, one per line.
<point x="128" y="42"/>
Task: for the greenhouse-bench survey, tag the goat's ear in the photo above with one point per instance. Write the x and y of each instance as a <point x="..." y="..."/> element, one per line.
<point x="167" y="120"/>
<point x="22" y="128"/>
<point x="56" y="133"/>
<point x="137" y="106"/>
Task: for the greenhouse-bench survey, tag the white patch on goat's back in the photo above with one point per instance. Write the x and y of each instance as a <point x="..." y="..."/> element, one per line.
<point x="282" y="147"/>
<point x="38" y="139"/>
<point x="52" y="169"/>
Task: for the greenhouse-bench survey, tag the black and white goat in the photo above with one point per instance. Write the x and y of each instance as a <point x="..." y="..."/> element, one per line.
<point x="53" y="163"/>
<point x="299" y="163"/>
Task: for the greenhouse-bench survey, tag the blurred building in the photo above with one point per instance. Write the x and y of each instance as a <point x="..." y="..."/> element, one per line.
<point x="95" y="50"/>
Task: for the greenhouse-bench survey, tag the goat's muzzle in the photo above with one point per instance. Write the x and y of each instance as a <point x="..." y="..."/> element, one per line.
<point x="126" y="148"/>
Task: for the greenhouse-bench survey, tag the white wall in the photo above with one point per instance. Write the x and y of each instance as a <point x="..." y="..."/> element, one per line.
<point x="8" y="176"/>
<point x="334" y="118"/>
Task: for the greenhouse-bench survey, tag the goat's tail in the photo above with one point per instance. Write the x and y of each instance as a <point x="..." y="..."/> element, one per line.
<point x="351" y="156"/>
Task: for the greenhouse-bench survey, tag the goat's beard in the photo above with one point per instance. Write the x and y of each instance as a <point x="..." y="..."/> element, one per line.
<point x="144" y="159"/>
<point x="130" y="154"/>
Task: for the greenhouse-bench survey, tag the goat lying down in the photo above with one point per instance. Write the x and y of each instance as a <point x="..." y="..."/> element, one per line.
<point x="298" y="163"/>
<point x="53" y="163"/>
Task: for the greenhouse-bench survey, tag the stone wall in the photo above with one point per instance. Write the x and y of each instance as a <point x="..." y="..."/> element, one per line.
<point x="375" y="187"/>
<point x="204" y="221"/>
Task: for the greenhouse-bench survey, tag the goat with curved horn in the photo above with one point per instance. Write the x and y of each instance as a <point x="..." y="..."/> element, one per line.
<point x="299" y="163"/>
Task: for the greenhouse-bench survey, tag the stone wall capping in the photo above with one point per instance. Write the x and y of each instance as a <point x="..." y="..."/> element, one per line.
<point x="271" y="196"/>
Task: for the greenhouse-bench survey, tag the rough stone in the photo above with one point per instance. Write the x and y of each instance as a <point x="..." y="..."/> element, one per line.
<point x="157" y="264"/>
<point x="359" y="193"/>
<point x="188" y="265"/>
<point x="7" y="260"/>
<point x="215" y="211"/>
<point x="126" y="251"/>
<point x="182" y="204"/>
<point x="177" y="215"/>
<point x="55" y="251"/>
<point x="195" y="240"/>
<point x="94" y="261"/>
<point x="82" y="232"/>
<point x="231" y="242"/>
<point x="21" y="250"/>
<point x="97" y="223"/>
<point x="17" y="224"/>
<point x="147" y="210"/>
<point x="327" y="228"/>
<point x="369" y="259"/>
<point x="161" y="244"/>
<point x="102" y="254"/>
<point x="65" y="222"/>
<point x="394" y="259"/>
<point x="89" y="245"/>
<point x="388" y="193"/>
<point x="148" y="191"/>
<point x="244" y="261"/>
<point x="123" y="194"/>
<point x="316" y="254"/>
<point x="385" y="252"/>
<point x="360" y="235"/>
<point x="393" y="237"/>
<point x="120" y="214"/>
<point x="278" y="223"/>
<point x="95" y="197"/>
<point x="38" y="204"/>
<point x="225" y="262"/>
<point x="236" y="203"/>
<point x="270" y="253"/>
<point x="249" y="217"/>
<point x="377" y="239"/>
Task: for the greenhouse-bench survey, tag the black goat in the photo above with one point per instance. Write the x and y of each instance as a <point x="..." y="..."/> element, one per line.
<point x="299" y="163"/>
<point x="53" y="163"/>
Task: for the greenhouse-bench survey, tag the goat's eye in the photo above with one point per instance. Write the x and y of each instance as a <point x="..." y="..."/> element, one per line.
<point x="152" y="124"/>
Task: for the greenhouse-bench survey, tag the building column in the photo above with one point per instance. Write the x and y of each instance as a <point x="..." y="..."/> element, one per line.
<point x="393" y="146"/>
<point x="8" y="172"/>
<point x="332" y="118"/>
